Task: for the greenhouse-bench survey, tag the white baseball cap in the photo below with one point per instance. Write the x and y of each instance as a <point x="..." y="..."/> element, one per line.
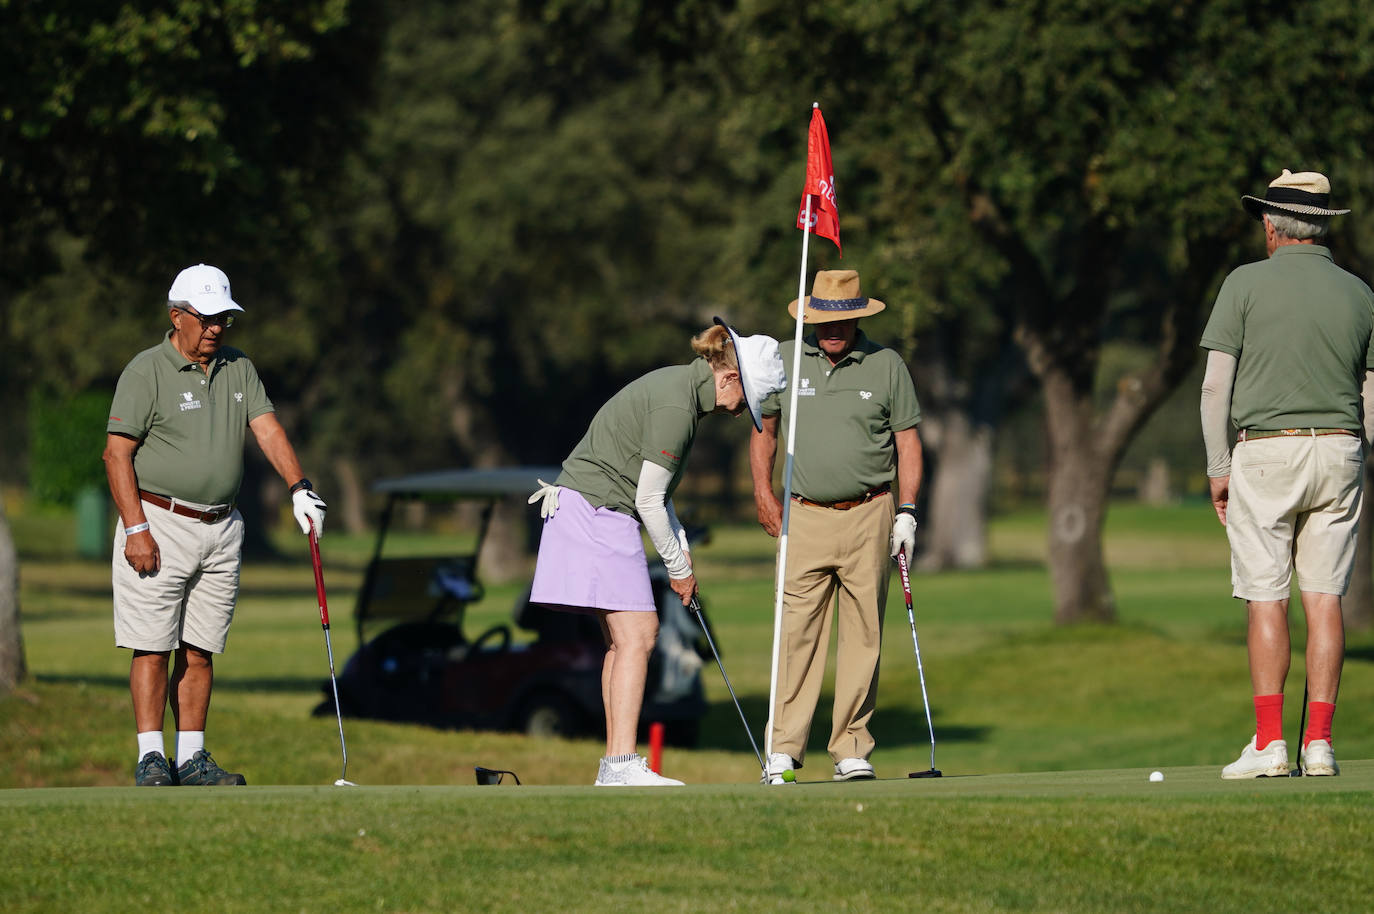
<point x="760" y="369"/>
<point x="204" y="288"/>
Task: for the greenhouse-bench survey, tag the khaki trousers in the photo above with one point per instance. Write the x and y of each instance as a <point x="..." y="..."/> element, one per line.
<point x="841" y="560"/>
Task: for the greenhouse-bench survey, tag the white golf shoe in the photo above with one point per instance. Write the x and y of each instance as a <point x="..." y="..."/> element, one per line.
<point x="1318" y="759"/>
<point x="779" y="764"/>
<point x="1269" y="762"/>
<point x="854" y="769"/>
<point x="634" y="773"/>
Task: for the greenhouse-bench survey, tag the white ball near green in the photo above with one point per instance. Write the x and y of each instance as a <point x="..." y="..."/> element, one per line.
<point x="1156" y="775"/>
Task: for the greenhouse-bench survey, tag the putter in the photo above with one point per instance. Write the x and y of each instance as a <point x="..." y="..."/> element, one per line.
<point x="696" y="608"/>
<point x="1302" y="725"/>
<point x="329" y="649"/>
<point x="925" y="699"/>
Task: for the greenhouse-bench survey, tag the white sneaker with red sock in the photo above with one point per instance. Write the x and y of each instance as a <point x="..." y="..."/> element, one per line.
<point x="1318" y="759"/>
<point x="1269" y="762"/>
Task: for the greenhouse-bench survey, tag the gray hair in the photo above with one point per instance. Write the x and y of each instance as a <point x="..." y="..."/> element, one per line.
<point x="1298" y="228"/>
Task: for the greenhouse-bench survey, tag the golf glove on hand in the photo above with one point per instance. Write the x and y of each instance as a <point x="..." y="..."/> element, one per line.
<point x="308" y="508"/>
<point x="549" y="493"/>
<point x="903" y="535"/>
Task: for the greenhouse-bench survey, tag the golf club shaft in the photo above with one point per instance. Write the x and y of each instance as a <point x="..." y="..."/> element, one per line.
<point x="328" y="644"/>
<point x="696" y="608"/>
<point x="920" y="668"/>
<point x="1302" y="725"/>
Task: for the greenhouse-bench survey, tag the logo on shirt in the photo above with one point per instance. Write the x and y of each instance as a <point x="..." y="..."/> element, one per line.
<point x="865" y="395"/>
<point x="188" y="401"/>
<point x="238" y="398"/>
<point x="806" y="390"/>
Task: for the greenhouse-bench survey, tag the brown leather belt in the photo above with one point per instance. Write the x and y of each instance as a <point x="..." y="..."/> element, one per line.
<point x="1254" y="434"/>
<point x="205" y="517"/>
<point x="850" y="503"/>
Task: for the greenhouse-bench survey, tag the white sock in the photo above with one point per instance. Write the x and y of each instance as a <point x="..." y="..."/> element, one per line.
<point x="150" y="741"/>
<point x="189" y="742"/>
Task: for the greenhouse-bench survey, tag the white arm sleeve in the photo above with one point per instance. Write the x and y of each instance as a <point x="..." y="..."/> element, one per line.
<point x="1367" y="398"/>
<point x="659" y="519"/>
<point x="1216" y="411"/>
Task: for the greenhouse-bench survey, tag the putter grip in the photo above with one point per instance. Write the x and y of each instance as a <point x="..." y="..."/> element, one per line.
<point x="319" y="577"/>
<point x="906" y="579"/>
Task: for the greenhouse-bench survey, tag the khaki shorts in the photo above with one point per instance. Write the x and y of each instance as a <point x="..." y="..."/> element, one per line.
<point x="1295" y="502"/>
<point x="190" y="598"/>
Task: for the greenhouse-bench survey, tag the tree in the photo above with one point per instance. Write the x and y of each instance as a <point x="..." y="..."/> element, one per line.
<point x="1080" y="163"/>
<point x="138" y="137"/>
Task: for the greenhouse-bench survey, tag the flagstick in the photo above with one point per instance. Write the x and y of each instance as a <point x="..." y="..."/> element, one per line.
<point x="787" y="481"/>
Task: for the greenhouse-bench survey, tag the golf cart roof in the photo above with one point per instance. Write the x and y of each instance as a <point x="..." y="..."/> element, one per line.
<point x="469" y="483"/>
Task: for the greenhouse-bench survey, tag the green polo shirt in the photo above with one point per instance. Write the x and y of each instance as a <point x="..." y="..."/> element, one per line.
<point x="653" y="418"/>
<point x="1302" y="332"/>
<point x="846" y="416"/>
<point x="191" y="425"/>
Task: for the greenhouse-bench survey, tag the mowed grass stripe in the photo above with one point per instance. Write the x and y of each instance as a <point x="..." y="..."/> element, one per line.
<point x="1001" y="842"/>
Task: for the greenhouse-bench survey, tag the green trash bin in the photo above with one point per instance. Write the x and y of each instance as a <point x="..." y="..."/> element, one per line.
<point x="93" y="522"/>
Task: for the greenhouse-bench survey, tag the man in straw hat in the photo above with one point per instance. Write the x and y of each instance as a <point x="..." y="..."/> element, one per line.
<point x="1290" y="346"/>
<point x="856" y="429"/>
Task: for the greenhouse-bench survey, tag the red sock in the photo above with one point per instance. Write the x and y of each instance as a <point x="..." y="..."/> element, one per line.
<point x="1268" y="719"/>
<point x="1319" y="714"/>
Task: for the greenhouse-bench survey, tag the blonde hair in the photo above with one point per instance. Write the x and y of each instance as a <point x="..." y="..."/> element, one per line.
<point x="713" y="345"/>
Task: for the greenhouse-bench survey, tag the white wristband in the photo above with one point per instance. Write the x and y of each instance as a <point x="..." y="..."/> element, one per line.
<point x="136" y="528"/>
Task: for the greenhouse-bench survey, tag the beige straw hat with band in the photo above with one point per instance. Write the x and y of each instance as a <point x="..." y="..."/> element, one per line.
<point x="1307" y="193"/>
<point x="835" y="296"/>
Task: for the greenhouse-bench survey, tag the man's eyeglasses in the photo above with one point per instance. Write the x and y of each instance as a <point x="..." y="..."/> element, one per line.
<point x="225" y="319"/>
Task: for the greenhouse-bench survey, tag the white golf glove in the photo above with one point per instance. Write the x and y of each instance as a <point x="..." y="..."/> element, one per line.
<point x="549" y="493"/>
<point x="308" y="508"/>
<point x="904" y="535"/>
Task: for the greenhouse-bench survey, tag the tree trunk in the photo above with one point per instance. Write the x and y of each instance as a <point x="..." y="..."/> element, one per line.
<point x="1077" y="501"/>
<point x="352" y="497"/>
<point x="12" y="666"/>
<point x="1358" y="605"/>
<point x="956" y="535"/>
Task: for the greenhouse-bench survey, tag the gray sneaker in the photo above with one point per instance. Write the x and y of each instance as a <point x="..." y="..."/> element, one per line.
<point x="153" y="771"/>
<point x="201" y="771"/>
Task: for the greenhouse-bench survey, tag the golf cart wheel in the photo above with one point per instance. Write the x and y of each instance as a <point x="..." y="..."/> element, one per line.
<point x="550" y="715"/>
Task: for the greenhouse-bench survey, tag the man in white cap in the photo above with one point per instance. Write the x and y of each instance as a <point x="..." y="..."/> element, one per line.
<point x="174" y="458"/>
<point x="857" y="441"/>
<point x="1290" y="363"/>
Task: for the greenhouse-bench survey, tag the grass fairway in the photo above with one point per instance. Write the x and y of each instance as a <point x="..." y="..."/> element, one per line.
<point x="1083" y="841"/>
<point x="1046" y="736"/>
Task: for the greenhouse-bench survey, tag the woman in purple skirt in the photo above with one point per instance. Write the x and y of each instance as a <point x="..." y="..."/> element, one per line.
<point x="622" y="474"/>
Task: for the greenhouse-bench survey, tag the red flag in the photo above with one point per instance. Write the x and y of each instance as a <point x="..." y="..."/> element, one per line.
<point x="820" y="184"/>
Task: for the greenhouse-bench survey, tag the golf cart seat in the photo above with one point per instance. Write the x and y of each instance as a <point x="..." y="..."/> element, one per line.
<point x="426" y="589"/>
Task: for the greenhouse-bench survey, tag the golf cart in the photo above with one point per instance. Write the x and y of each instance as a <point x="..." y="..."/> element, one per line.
<point x="416" y="662"/>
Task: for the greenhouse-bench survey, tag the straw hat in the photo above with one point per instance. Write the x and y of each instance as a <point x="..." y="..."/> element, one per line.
<point x="1306" y="193"/>
<point x="835" y="296"/>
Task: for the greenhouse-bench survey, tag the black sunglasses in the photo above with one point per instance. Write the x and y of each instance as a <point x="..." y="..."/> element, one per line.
<point x="225" y="319"/>
<point x="487" y="776"/>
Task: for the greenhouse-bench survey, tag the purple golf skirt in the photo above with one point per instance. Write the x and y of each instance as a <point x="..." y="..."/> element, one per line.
<point x="590" y="559"/>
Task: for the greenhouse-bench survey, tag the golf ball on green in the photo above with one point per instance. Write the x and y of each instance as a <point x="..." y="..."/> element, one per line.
<point x="789" y="776"/>
<point x="1156" y="775"/>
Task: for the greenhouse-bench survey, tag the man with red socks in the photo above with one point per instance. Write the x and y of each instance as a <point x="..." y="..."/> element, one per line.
<point x="1291" y="363"/>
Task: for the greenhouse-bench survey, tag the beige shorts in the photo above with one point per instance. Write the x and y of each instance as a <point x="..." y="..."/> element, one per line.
<point x="1295" y="502"/>
<point x="190" y="598"/>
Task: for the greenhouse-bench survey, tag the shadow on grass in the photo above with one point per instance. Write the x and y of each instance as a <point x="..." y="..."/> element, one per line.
<point x="282" y="684"/>
<point x="891" y="727"/>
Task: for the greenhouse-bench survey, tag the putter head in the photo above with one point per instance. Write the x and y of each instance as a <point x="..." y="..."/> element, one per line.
<point x="1295" y="773"/>
<point x="342" y="783"/>
<point x="932" y="773"/>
